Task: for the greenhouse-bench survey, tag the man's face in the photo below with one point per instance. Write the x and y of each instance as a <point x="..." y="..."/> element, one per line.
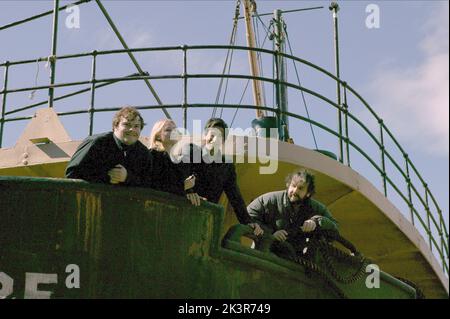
<point x="214" y="138"/>
<point x="127" y="131"/>
<point x="298" y="190"/>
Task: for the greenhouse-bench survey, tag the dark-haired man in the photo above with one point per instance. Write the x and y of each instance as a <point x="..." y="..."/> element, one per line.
<point x="292" y="215"/>
<point x="116" y="157"/>
<point x="215" y="175"/>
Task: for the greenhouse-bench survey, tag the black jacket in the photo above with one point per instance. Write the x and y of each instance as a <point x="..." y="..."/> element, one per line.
<point x="168" y="176"/>
<point x="97" y="154"/>
<point x="214" y="178"/>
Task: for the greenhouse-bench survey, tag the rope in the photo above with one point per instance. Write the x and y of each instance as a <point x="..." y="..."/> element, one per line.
<point x="321" y="245"/>
<point x="319" y="271"/>
<point x="300" y="84"/>
<point x="329" y="251"/>
<point x="31" y="96"/>
<point x="312" y="268"/>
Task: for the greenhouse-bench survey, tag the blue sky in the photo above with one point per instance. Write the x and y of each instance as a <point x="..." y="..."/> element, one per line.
<point x="400" y="68"/>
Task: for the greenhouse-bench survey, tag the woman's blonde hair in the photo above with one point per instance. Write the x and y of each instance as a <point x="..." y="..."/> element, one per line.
<point x="155" y="135"/>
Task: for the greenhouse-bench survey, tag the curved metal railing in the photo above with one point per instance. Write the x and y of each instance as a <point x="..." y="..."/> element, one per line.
<point x="432" y="222"/>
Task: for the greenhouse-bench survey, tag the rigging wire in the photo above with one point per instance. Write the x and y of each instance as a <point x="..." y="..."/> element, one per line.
<point x="219" y="91"/>
<point x="248" y="81"/>
<point x="240" y="101"/>
<point x="255" y="27"/>
<point x="259" y="57"/>
<point x="226" y="83"/>
<point x="267" y="29"/>
<point x="232" y="41"/>
<point x="300" y="84"/>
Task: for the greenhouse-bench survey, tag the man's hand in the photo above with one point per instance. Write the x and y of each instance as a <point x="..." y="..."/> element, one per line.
<point x="118" y="174"/>
<point x="280" y="235"/>
<point x="308" y="226"/>
<point x="195" y="198"/>
<point x="257" y="230"/>
<point x="189" y="182"/>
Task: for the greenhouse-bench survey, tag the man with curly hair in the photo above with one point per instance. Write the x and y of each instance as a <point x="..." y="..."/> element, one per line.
<point x="116" y="157"/>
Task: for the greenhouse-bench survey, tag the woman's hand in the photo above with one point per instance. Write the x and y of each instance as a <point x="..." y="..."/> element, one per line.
<point x="195" y="198"/>
<point x="189" y="182"/>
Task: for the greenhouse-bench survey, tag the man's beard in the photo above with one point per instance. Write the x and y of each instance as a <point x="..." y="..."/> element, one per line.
<point x="298" y="200"/>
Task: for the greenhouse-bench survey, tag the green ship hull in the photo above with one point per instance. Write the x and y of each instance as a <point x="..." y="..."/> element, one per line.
<point x="99" y="241"/>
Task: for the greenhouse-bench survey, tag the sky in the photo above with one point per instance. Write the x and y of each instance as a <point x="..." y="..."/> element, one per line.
<point x="394" y="53"/>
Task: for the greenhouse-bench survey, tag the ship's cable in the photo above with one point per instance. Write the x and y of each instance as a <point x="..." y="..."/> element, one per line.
<point x="268" y="33"/>
<point x="300" y="84"/>
<point x="229" y="51"/>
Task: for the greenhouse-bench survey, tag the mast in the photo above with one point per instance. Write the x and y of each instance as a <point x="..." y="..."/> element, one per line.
<point x="254" y="69"/>
<point x="283" y="124"/>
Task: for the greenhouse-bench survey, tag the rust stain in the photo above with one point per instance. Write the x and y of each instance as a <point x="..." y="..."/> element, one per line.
<point x="88" y="217"/>
<point x="201" y="248"/>
<point x="196" y="249"/>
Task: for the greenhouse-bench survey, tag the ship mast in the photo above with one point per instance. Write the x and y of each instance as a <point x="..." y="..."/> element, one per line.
<point x="282" y="100"/>
<point x="254" y="69"/>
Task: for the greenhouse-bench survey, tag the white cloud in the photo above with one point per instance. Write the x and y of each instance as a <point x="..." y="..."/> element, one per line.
<point x="135" y="36"/>
<point x="202" y="61"/>
<point x="139" y="38"/>
<point x="415" y="100"/>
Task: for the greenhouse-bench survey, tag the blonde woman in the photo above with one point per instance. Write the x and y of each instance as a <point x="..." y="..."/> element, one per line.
<point x="170" y="176"/>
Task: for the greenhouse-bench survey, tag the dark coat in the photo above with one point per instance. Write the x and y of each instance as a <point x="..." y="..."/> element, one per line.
<point x="168" y="176"/>
<point x="274" y="211"/>
<point x="98" y="154"/>
<point x="215" y="177"/>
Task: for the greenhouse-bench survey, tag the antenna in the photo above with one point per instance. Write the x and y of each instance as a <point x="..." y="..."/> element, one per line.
<point x="288" y="11"/>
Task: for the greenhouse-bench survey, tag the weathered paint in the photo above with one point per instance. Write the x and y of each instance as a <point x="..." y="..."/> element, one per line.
<point x="140" y="243"/>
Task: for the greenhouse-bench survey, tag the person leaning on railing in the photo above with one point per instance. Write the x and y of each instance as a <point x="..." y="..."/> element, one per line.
<point x="215" y="175"/>
<point x="116" y="157"/>
<point x="291" y="215"/>
<point x="171" y="174"/>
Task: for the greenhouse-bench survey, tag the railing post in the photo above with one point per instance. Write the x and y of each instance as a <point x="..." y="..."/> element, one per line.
<point x="408" y="183"/>
<point x="52" y="57"/>
<point x="278" y="94"/>
<point x="383" y="163"/>
<point x="441" y="234"/>
<point x="5" y="87"/>
<point x="92" y="105"/>
<point x="427" y="208"/>
<point x="345" y="105"/>
<point x="335" y="8"/>
<point x="184" y="76"/>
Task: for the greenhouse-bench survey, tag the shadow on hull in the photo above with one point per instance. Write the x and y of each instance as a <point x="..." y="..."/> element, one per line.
<point x="71" y="239"/>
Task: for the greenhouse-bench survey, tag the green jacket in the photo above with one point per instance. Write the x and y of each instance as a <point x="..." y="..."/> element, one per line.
<point x="273" y="211"/>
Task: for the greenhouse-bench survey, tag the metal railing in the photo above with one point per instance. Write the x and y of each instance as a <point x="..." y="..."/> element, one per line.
<point x="433" y="223"/>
